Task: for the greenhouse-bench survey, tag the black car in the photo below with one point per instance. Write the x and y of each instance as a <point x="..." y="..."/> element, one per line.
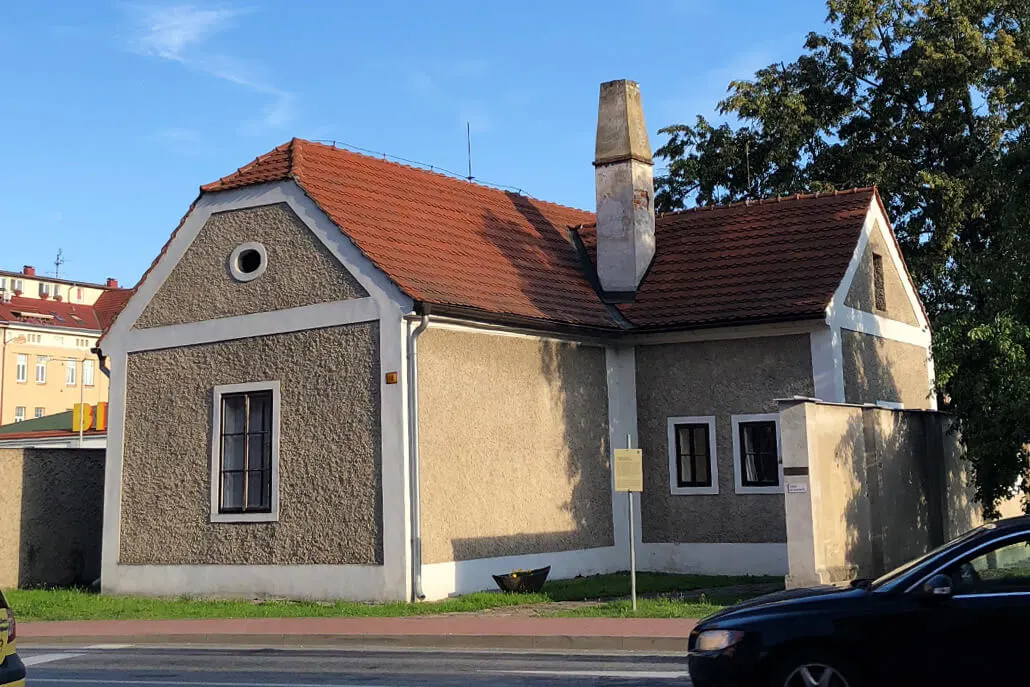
<point x="959" y="615"/>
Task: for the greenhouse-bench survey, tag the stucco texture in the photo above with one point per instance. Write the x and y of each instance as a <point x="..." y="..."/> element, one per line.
<point x="862" y="296"/>
<point x="330" y="476"/>
<point x="513" y="437"/>
<point x="51" y="501"/>
<point x="877" y="369"/>
<point x="301" y="271"/>
<point x="719" y="378"/>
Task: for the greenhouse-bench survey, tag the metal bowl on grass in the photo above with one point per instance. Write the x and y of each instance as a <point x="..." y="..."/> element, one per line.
<point x="523" y="581"/>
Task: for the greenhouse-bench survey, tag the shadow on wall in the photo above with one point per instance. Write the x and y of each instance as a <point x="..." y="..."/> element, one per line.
<point x="61" y="517"/>
<point x="582" y="396"/>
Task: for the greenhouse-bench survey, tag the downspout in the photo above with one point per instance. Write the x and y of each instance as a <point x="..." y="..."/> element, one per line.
<point x="413" y="468"/>
<point x="101" y="364"/>
<point x="3" y="368"/>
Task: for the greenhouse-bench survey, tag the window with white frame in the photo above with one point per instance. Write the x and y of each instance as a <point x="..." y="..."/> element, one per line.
<point x="693" y="460"/>
<point x="87" y="372"/>
<point x="45" y="289"/>
<point x="17" y="285"/>
<point x="756" y="454"/>
<point x="41" y="363"/>
<point x="40" y="412"/>
<point x="69" y="372"/>
<point x="35" y="338"/>
<point x="245" y="453"/>
<point x="21" y="368"/>
<point x="19" y="413"/>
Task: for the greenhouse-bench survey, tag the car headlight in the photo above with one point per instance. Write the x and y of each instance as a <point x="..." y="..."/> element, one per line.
<point x="717" y="640"/>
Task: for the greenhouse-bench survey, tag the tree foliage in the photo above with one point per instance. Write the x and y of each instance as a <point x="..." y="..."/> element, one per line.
<point x="928" y="100"/>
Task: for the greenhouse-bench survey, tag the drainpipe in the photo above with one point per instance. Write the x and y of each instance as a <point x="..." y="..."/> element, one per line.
<point x="101" y="364"/>
<point x="416" y="516"/>
<point x="3" y="368"/>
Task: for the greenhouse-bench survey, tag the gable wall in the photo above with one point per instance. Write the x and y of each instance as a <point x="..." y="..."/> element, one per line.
<point x="301" y="271"/>
<point x="861" y="295"/>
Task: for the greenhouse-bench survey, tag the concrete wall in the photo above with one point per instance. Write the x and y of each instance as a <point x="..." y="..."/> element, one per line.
<point x="300" y="271"/>
<point x="862" y="293"/>
<point x="877" y="369"/>
<point x="719" y="378"/>
<point x="513" y="446"/>
<point x="330" y="451"/>
<point x="51" y="505"/>
<point x="869" y="488"/>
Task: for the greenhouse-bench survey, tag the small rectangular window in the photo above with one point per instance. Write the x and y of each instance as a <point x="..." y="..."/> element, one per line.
<point x="87" y="372"/>
<point x="879" y="291"/>
<point x="17" y="286"/>
<point x="41" y="363"/>
<point x="246" y="443"/>
<point x="19" y="413"/>
<point x="69" y="372"/>
<point x="3" y="283"/>
<point x="21" y="368"/>
<point x="40" y="412"/>
<point x="759" y="457"/>
<point x="45" y="289"/>
<point x="693" y="456"/>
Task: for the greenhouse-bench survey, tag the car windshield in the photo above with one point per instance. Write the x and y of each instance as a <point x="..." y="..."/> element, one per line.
<point x="903" y="569"/>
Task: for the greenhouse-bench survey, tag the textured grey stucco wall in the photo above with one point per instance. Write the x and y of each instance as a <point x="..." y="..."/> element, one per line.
<point x="301" y="271"/>
<point x="51" y="516"/>
<point x="719" y="378"/>
<point x="330" y="454"/>
<point x="862" y="293"/>
<point x="513" y="446"/>
<point x="877" y="369"/>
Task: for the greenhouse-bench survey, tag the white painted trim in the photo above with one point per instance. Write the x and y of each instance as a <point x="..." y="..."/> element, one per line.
<point x="621" y="369"/>
<point x="393" y="432"/>
<point x="723" y="333"/>
<point x="715" y="558"/>
<point x="827" y="364"/>
<point x="713" y="455"/>
<point x="234" y="261"/>
<point x="317" y="316"/>
<point x="111" y="543"/>
<point x="891" y="405"/>
<point x="440" y="580"/>
<point x="93" y="441"/>
<point x="364" y="271"/>
<point x="931" y="374"/>
<point x="735" y="421"/>
<point x="450" y="324"/>
<point x="876" y="325"/>
<point x="314" y="582"/>
<point x="216" y="452"/>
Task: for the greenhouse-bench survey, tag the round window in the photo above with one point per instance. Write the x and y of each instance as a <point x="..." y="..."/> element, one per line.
<point x="248" y="261"/>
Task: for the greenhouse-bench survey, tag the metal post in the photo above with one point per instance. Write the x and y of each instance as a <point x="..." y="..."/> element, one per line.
<point x="82" y="389"/>
<point x="632" y="542"/>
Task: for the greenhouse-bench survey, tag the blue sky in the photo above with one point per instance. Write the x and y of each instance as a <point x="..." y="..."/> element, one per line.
<point x="114" y="113"/>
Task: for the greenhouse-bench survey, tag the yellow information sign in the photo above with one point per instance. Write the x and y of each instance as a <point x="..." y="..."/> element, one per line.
<point x="629" y="469"/>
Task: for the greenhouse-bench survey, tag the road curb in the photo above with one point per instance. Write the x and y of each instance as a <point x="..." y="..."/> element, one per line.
<point x="373" y="641"/>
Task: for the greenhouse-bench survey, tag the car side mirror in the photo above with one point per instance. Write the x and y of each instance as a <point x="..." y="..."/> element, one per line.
<point x="937" y="587"/>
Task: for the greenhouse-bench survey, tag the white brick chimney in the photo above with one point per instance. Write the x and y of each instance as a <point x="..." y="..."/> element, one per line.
<point x="625" y="190"/>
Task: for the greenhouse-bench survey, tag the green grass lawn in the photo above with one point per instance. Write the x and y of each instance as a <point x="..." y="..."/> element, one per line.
<point x="70" y="604"/>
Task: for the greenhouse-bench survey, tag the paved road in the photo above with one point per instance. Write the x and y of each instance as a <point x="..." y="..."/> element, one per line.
<point x="231" y="667"/>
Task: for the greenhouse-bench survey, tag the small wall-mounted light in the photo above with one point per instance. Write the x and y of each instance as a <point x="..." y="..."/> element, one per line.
<point x="391" y="377"/>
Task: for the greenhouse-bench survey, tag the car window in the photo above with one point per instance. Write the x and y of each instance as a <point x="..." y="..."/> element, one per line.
<point x="1004" y="568"/>
<point x="900" y="571"/>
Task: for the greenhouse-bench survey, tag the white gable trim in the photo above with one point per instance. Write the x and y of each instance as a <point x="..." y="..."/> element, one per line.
<point x="378" y="285"/>
<point x="876" y="220"/>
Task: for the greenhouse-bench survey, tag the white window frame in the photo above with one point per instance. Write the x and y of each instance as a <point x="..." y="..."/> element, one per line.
<point x="41" y="362"/>
<point x="17" y="285"/>
<point x="713" y="461"/>
<point x="738" y="478"/>
<point x="19" y="413"/>
<point x="71" y="370"/>
<point x="36" y="413"/>
<point x="21" y="368"/>
<point x="216" y="451"/>
<point x="90" y="379"/>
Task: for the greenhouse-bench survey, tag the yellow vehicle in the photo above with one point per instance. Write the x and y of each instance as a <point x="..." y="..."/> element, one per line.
<point x="12" y="670"/>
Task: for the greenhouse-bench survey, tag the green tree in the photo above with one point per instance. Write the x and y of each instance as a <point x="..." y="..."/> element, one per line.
<point x="928" y="100"/>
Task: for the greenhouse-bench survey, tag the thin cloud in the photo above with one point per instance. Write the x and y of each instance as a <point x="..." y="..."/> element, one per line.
<point x="180" y="33"/>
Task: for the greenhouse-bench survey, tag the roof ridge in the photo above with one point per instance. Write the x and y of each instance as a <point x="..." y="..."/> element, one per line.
<point x="438" y="172"/>
<point x="773" y="200"/>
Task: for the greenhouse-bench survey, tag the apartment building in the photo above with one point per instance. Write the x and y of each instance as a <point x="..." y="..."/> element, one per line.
<point x="48" y="328"/>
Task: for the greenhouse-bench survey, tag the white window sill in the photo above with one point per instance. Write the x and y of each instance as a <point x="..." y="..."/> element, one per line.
<point x="779" y="489"/>
<point x="244" y="517"/>
<point x="689" y="491"/>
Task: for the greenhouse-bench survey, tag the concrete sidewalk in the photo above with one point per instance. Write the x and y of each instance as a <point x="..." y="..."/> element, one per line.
<point x="444" y="632"/>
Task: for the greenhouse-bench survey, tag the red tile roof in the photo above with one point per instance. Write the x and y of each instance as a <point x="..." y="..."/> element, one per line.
<point x="443" y="240"/>
<point x="770" y="260"/>
<point x="49" y="313"/>
<point x="488" y="252"/>
<point x="109" y="304"/>
<point x="51" y="433"/>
